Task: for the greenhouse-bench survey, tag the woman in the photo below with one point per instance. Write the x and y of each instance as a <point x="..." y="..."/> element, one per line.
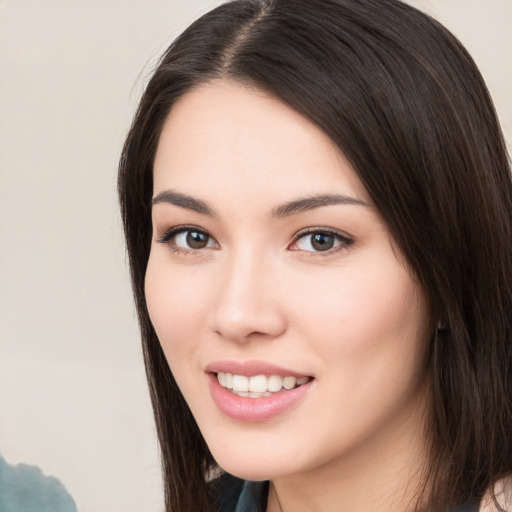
<point x="317" y="203"/>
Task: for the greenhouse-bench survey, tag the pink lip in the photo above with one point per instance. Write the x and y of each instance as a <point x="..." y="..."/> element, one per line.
<point x="253" y="409"/>
<point x="251" y="368"/>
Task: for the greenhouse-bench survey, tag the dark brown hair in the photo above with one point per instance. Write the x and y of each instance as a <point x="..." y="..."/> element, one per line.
<point x="406" y="104"/>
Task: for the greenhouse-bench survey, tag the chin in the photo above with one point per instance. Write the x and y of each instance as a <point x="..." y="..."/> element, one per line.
<point x="248" y="466"/>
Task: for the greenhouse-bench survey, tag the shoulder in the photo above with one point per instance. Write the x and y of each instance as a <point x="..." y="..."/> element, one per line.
<point x="24" y="487"/>
<point x="503" y="492"/>
<point x="233" y="494"/>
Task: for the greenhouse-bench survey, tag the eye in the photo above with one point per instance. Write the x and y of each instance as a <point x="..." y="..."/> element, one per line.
<point x="187" y="239"/>
<point x="192" y="240"/>
<point x="320" y="241"/>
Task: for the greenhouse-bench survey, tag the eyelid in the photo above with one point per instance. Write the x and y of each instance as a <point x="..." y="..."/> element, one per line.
<point x="170" y="233"/>
<point x="346" y="240"/>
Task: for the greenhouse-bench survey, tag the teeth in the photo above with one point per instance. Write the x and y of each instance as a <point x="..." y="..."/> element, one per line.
<point x="275" y="383"/>
<point x="251" y="394"/>
<point x="240" y="383"/>
<point x="289" y="382"/>
<point x="254" y="394"/>
<point x="258" y="385"/>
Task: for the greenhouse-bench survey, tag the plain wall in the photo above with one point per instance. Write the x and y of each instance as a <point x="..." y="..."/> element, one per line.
<point x="73" y="397"/>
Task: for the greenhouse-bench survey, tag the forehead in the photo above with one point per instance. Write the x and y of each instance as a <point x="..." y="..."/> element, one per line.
<point x="223" y="137"/>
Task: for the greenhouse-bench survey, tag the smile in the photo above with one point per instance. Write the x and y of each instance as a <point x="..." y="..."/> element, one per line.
<point x="258" y="386"/>
<point x="256" y="390"/>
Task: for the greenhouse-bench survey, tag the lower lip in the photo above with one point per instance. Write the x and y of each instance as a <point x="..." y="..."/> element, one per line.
<point x="255" y="409"/>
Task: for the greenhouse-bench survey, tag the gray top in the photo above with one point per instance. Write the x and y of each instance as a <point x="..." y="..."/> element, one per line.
<point x="244" y="496"/>
<point x="25" y="488"/>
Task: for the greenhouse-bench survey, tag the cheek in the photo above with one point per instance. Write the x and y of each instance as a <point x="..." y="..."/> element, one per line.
<point x="175" y="301"/>
<point x="358" y="306"/>
<point x="369" y="332"/>
<point x="371" y="321"/>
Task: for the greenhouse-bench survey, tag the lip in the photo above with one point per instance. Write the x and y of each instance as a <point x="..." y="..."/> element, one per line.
<point x="254" y="409"/>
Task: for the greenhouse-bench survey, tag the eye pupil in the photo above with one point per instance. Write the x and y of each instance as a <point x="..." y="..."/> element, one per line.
<point x="196" y="240"/>
<point x="322" y="242"/>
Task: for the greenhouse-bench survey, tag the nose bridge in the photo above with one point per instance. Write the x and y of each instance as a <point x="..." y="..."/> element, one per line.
<point x="246" y="303"/>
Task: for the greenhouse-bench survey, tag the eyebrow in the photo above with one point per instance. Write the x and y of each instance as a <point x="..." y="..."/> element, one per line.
<point x="285" y="210"/>
<point x="309" y="203"/>
<point x="183" y="200"/>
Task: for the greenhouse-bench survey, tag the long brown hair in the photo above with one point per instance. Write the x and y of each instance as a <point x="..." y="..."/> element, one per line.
<point x="406" y="104"/>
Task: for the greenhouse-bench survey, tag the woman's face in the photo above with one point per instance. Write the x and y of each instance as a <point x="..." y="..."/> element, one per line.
<point x="270" y="268"/>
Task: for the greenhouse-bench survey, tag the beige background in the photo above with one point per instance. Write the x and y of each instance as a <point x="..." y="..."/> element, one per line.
<point x="73" y="398"/>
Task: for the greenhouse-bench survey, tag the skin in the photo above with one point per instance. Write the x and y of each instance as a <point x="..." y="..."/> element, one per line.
<point x="352" y="317"/>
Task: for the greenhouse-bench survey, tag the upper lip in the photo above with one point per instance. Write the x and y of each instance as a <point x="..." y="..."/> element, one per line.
<point x="251" y="368"/>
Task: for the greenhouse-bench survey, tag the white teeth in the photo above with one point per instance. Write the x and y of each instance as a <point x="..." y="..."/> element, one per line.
<point x="258" y="385"/>
<point x="289" y="382"/>
<point x="275" y="383"/>
<point x="254" y="394"/>
<point x="240" y="383"/>
<point x="251" y="394"/>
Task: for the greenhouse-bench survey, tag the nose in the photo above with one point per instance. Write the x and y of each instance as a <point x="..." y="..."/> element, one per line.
<point x="246" y="305"/>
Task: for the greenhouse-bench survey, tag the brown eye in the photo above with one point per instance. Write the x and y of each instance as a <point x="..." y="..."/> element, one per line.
<point x="182" y="238"/>
<point x="321" y="241"/>
<point x="196" y="240"/>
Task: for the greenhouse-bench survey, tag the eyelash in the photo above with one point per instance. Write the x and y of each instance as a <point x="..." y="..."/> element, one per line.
<point x="344" y="240"/>
<point x="167" y="238"/>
